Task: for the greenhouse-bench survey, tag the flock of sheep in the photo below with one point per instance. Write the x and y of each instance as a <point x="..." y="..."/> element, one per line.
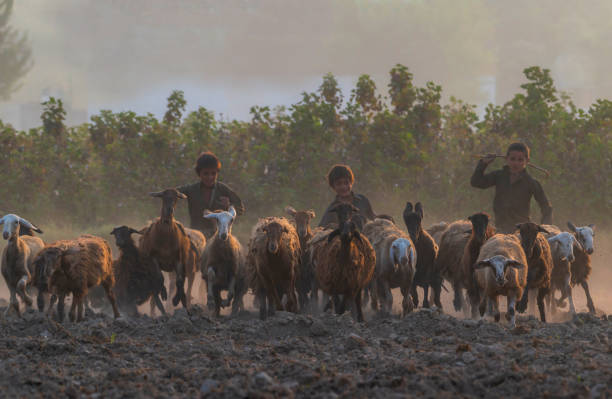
<point x="287" y="263"/>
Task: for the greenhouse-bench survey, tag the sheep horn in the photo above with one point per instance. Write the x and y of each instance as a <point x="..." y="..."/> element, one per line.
<point x="157" y="194"/>
<point x="514" y="264"/>
<point x="232" y="211"/>
<point x="311" y="213"/>
<point x="571" y="226"/>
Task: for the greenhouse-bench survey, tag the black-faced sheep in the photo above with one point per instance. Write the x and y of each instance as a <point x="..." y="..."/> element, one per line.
<point x="501" y="269"/>
<point x="305" y="282"/>
<point x="448" y="261"/>
<point x="17" y="258"/>
<point x="427" y="251"/>
<point x="166" y="243"/>
<point x="138" y="279"/>
<point x="396" y="260"/>
<point x="223" y="264"/>
<point x="73" y="267"/>
<point x="540" y="262"/>
<point x="273" y="258"/>
<point x="344" y="262"/>
<point x="481" y="231"/>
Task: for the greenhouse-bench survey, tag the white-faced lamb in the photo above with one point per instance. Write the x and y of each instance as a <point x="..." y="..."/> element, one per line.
<point x="223" y="264"/>
<point x="501" y="269"/>
<point x="138" y="278"/>
<point x="396" y="260"/>
<point x="272" y="260"/>
<point x="562" y="248"/>
<point x="540" y="264"/>
<point x="427" y="250"/>
<point x="344" y="262"/>
<point x="73" y="267"/>
<point x="166" y="243"/>
<point x="17" y="258"/>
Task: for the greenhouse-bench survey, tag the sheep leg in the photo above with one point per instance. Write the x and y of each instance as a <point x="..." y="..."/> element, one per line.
<point x="159" y="304"/>
<point x="590" y="304"/>
<point x="357" y="305"/>
<point x="73" y="306"/>
<point x="231" y="291"/>
<point x="572" y="308"/>
<point x="21" y="290"/>
<point x="338" y="304"/>
<point x="210" y="297"/>
<point x="437" y="291"/>
<point x="52" y="301"/>
<point x="180" y="286"/>
<point x="426" y="296"/>
<point x="80" y="310"/>
<point x="532" y="300"/>
<point x="40" y="301"/>
<point x="60" y="308"/>
<point x="110" y="294"/>
<point x="541" y="294"/>
<point x="522" y="305"/>
<point x="386" y="299"/>
<point x="407" y="305"/>
<point x="415" y="295"/>
<point x="13" y="303"/>
<point x="217" y="299"/>
<point x="458" y="297"/>
<point x="482" y="307"/>
<point x="474" y="299"/>
<point x="189" y="287"/>
<point x="511" y="315"/>
<point x="261" y="295"/>
<point x="375" y="293"/>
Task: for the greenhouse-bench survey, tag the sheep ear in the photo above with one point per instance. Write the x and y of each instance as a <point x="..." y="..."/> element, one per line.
<point x="408" y="207"/>
<point x="592" y="226"/>
<point x="29" y="225"/>
<point x="514" y="264"/>
<point x="571" y="226"/>
<point x="553" y="239"/>
<point x="311" y="213"/>
<point x="354" y="208"/>
<point x="578" y="244"/>
<point x="209" y="215"/>
<point x="418" y="208"/>
<point x="114" y="231"/>
<point x="180" y="195"/>
<point x="518" y="225"/>
<point x="232" y="211"/>
<point x="290" y="211"/>
<point x="482" y="264"/>
<point x="543" y="230"/>
<point x="157" y="194"/>
<point x="357" y="236"/>
<point x="134" y="231"/>
<point x="2" y="220"/>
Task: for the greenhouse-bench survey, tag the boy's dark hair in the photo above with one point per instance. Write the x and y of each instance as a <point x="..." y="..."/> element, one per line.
<point x="520" y="147"/>
<point x="207" y="160"/>
<point x="339" y="171"/>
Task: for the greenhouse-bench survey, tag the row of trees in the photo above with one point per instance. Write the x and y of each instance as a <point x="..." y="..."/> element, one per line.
<point x="405" y="145"/>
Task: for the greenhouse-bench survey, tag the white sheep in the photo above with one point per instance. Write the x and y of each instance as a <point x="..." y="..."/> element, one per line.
<point x="17" y="258"/>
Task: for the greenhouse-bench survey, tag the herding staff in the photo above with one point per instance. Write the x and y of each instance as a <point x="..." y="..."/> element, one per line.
<point x="480" y="156"/>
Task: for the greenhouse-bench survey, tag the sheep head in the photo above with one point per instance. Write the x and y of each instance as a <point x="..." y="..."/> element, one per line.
<point x="584" y="235"/>
<point x="562" y="245"/>
<point x="480" y="222"/>
<point x="47" y="260"/>
<point x="344" y="212"/>
<point x="402" y="253"/>
<point x="12" y="224"/>
<point x="413" y="218"/>
<point x="123" y="235"/>
<point x="499" y="264"/>
<point x="169" y="198"/>
<point x="273" y="232"/>
<point x="302" y="220"/>
<point x="224" y="219"/>
<point x="529" y="233"/>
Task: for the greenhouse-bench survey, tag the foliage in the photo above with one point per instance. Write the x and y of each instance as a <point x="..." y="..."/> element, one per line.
<point x="407" y="146"/>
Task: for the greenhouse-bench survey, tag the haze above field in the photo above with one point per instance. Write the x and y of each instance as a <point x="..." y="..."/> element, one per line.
<point x="228" y="56"/>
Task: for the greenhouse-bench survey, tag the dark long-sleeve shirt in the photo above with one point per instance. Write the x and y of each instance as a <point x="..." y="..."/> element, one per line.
<point x="360" y="201"/>
<point x="512" y="200"/>
<point x="197" y="205"/>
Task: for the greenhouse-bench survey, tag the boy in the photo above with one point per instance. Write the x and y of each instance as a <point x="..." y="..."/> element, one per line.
<point x="514" y="188"/>
<point x="341" y="179"/>
<point x="208" y="194"/>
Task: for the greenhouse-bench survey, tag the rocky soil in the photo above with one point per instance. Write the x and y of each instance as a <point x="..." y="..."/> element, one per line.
<point x="427" y="354"/>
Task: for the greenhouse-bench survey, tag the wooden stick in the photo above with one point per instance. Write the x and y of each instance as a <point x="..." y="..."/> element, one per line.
<point x="541" y="169"/>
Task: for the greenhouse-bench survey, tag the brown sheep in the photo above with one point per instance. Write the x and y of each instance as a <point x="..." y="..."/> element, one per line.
<point x="481" y="231"/>
<point x="448" y="261"/>
<point x="305" y="282"/>
<point x="396" y="260"/>
<point x="73" y="267"/>
<point x="166" y="243"/>
<point x="138" y="279"/>
<point x="436" y="231"/>
<point x="427" y="250"/>
<point x="273" y="259"/>
<point x="344" y="262"/>
<point x="223" y="264"/>
<point x="540" y="262"/>
<point x="501" y="269"/>
<point x="17" y="258"/>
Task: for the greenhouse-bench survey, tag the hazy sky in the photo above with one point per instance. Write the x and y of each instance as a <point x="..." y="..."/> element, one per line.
<point x="230" y="55"/>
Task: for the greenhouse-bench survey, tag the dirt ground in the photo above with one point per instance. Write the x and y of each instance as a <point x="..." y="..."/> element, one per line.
<point x="427" y="354"/>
